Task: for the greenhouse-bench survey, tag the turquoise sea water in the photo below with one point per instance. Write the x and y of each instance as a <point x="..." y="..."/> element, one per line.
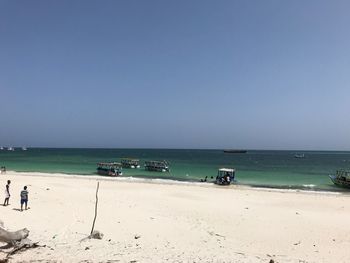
<point x="256" y="168"/>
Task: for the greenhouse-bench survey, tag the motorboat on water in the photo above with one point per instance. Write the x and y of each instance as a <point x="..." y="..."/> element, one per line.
<point x="157" y="166"/>
<point x="109" y="169"/>
<point x="341" y="178"/>
<point x="225" y="176"/>
<point x="130" y="163"/>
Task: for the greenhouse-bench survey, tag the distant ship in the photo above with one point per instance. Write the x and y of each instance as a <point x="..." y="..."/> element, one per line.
<point x="24" y="148"/>
<point x="10" y="149"/>
<point x="299" y="155"/>
<point x="235" y="151"/>
<point x="1" y="148"/>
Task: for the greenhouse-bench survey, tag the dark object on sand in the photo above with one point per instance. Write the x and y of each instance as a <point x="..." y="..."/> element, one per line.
<point x="96" y="234"/>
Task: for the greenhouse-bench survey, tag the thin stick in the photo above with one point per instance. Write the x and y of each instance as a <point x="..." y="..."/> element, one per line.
<point x="93" y="224"/>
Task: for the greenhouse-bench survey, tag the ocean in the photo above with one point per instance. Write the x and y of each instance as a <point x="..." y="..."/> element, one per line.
<point x="275" y="169"/>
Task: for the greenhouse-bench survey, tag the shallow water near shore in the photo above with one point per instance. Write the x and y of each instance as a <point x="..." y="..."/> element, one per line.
<point x="275" y="169"/>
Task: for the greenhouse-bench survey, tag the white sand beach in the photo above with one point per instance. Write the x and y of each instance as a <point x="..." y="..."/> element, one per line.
<point x="175" y="222"/>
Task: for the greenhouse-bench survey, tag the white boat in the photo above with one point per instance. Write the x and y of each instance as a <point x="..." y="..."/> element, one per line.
<point x="10" y="149"/>
<point x="24" y="149"/>
<point x="1" y="148"/>
<point x="225" y="176"/>
<point x="299" y="155"/>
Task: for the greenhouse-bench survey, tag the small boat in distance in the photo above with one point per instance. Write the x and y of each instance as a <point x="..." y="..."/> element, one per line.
<point x="110" y="169"/>
<point x="225" y="176"/>
<point x="10" y="149"/>
<point x="1" y="148"/>
<point x="24" y="149"/>
<point x="157" y="166"/>
<point x="130" y="163"/>
<point x="234" y="151"/>
<point x="299" y="155"/>
<point x="341" y="178"/>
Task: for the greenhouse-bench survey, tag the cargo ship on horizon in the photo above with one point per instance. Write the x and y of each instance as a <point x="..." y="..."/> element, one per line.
<point x="235" y="151"/>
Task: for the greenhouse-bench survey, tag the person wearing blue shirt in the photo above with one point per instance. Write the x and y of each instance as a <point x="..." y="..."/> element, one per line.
<point x="24" y="198"/>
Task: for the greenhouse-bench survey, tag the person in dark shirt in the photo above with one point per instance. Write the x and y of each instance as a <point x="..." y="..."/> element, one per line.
<point x="7" y="193"/>
<point x="24" y="198"/>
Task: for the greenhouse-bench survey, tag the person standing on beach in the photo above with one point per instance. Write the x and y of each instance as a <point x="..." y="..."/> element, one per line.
<point x="24" y="198"/>
<point x="7" y="193"/>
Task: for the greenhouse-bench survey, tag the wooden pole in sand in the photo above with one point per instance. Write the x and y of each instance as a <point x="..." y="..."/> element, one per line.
<point x="93" y="224"/>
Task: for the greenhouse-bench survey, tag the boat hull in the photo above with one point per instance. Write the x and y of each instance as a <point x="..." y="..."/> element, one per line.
<point x="108" y="173"/>
<point x="131" y="166"/>
<point x="157" y="169"/>
<point x="224" y="181"/>
<point x="338" y="182"/>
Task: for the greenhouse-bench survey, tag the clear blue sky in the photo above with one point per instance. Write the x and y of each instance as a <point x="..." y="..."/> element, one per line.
<point x="175" y="74"/>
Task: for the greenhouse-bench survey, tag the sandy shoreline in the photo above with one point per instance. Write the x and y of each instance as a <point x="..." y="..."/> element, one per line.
<point x="131" y="179"/>
<point x="196" y="223"/>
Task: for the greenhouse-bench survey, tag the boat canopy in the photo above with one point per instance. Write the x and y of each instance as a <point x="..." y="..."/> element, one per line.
<point x="110" y="165"/>
<point x="130" y="160"/>
<point x="156" y="163"/>
<point x="227" y="170"/>
<point x="343" y="173"/>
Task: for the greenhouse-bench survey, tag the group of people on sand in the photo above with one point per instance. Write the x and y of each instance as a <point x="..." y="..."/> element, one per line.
<point x="23" y="194"/>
